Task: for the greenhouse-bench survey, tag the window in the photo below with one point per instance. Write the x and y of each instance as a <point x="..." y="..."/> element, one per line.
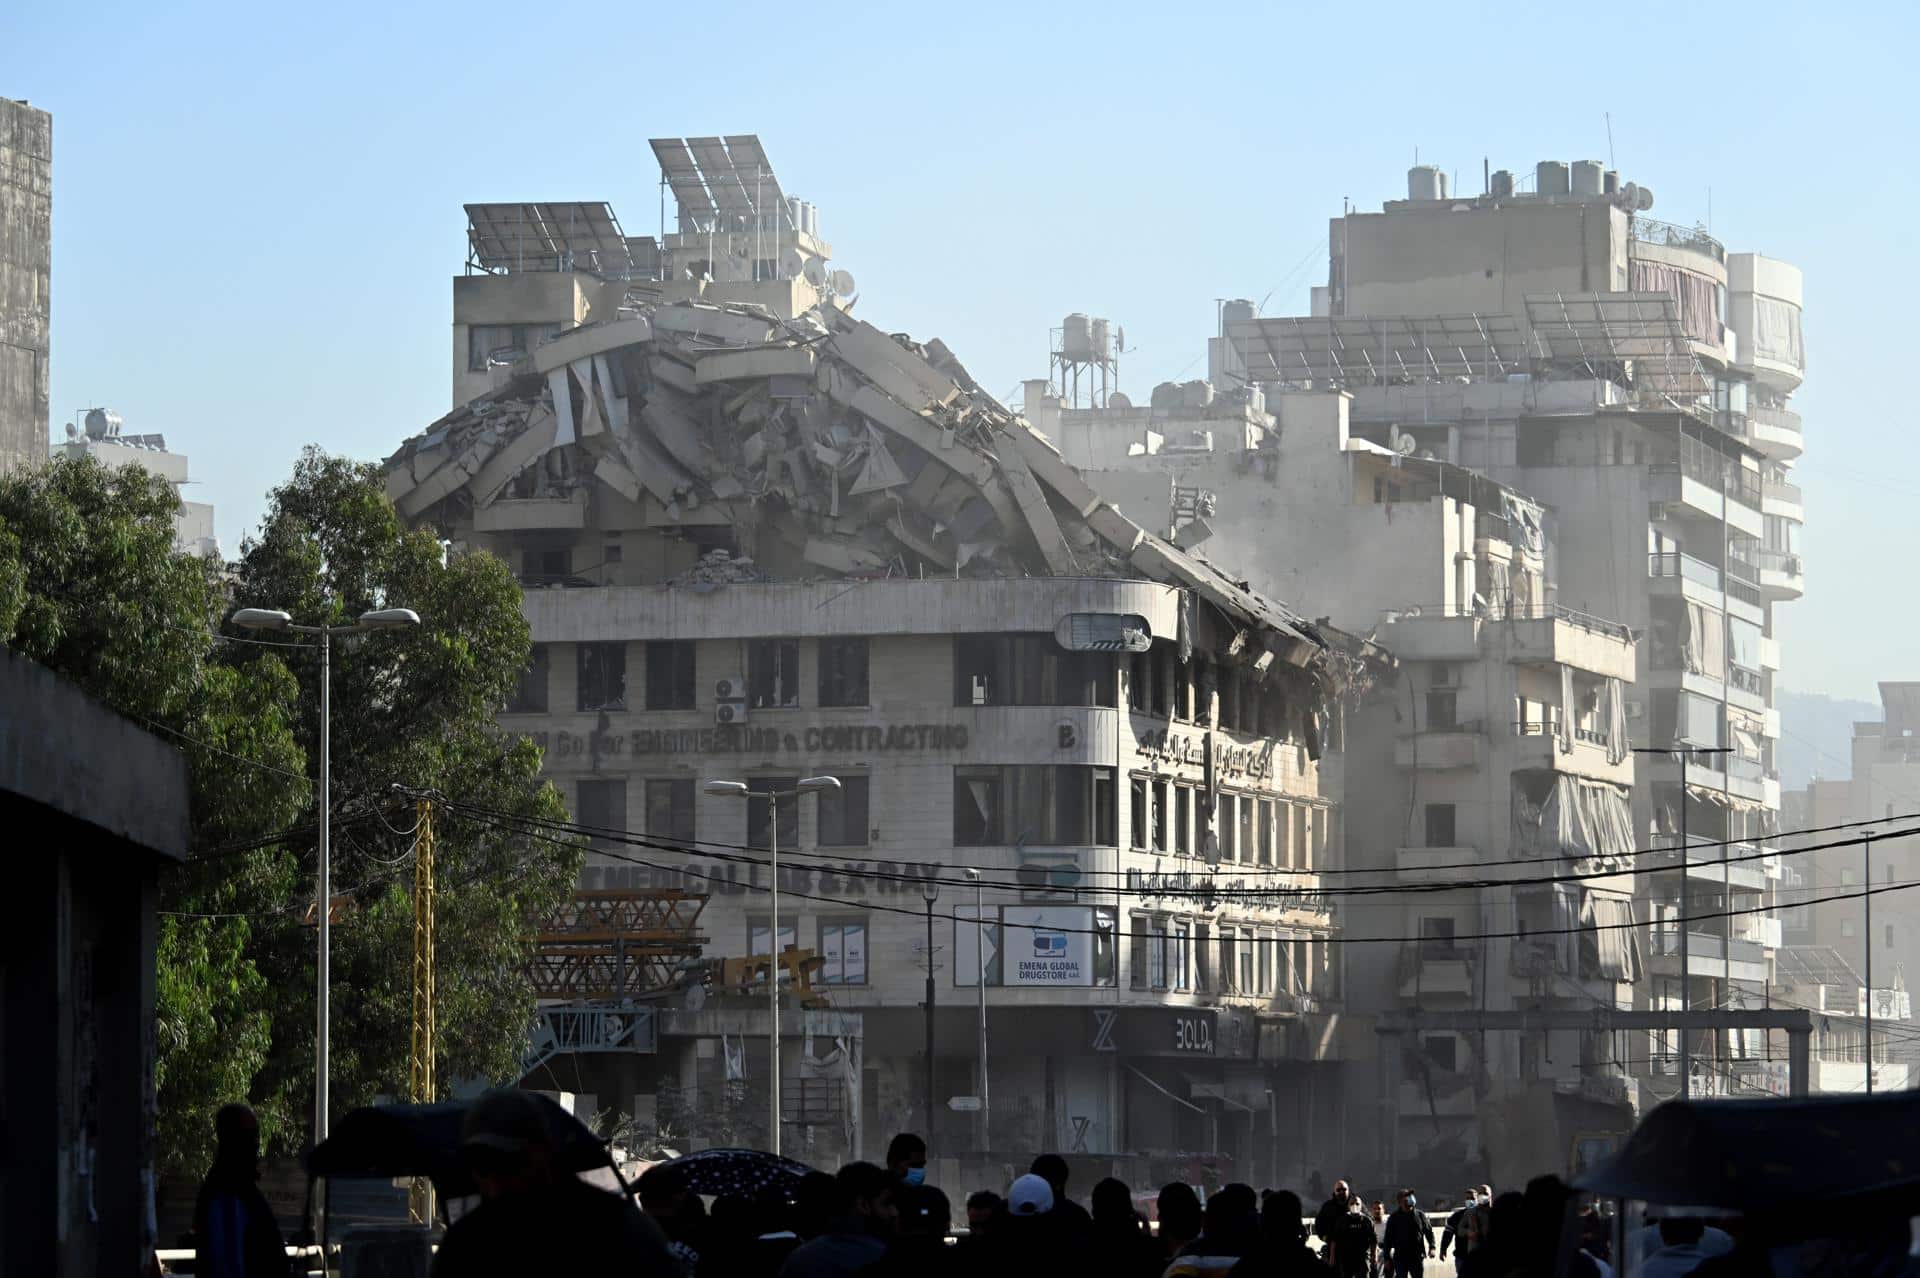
<point x="1300" y="971"/>
<point x="670" y="674"/>
<point x="1181" y="940"/>
<point x="1440" y="829"/>
<point x="1224" y="817"/>
<point x="602" y="805"/>
<point x="1061" y="804"/>
<point x="1442" y="709"/>
<point x="843" y="949"/>
<point x="1266" y="831"/>
<point x="843" y="814"/>
<point x="1106" y="923"/>
<point x="1140" y="681"/>
<point x="602" y="676"/>
<point x="757" y="935"/>
<point x="1160" y="816"/>
<point x="1442" y="1051"/>
<point x="1246" y="842"/>
<point x="1436" y="937"/>
<point x="773" y="673"/>
<point x="1228" y="961"/>
<point x="1137" y="813"/>
<point x="843" y="672"/>
<point x="1300" y="861"/>
<point x="543" y="567"/>
<point x="1029" y="670"/>
<point x="530" y="696"/>
<point x="670" y="809"/>
<point x="758" y="820"/>
<point x="1182" y="820"/>
<point x="1247" y="943"/>
<point x="1137" y="945"/>
<point x="1266" y="962"/>
<point x="1202" y="957"/>
<point x="979" y="806"/>
<point x="1157" y="954"/>
<point x="1160" y="678"/>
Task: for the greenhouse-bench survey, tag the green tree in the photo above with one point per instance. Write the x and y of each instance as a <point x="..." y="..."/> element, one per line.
<point x="90" y="586"/>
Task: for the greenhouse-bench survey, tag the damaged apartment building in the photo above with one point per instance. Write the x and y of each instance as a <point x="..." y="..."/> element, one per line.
<point x="1500" y="738"/>
<point x="1546" y="369"/>
<point x="764" y="540"/>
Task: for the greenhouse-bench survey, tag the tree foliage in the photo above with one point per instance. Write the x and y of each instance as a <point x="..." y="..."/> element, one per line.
<point x="91" y="586"/>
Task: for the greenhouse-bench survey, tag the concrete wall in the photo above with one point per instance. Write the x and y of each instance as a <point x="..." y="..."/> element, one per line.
<point x="26" y="267"/>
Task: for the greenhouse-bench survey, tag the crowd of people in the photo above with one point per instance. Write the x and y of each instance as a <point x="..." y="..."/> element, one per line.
<point x="889" y="1222"/>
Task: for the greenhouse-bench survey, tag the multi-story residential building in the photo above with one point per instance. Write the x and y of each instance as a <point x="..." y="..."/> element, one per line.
<point x="26" y="271"/>
<point x="1633" y="377"/>
<point x="100" y="437"/>
<point x="764" y="541"/>
<point x="1501" y="745"/>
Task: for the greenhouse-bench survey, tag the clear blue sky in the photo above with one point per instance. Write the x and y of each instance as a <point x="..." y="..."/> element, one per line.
<point x="257" y="209"/>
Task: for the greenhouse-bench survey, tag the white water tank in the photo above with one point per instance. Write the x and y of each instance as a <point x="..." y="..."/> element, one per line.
<point x="1501" y="185"/>
<point x="1550" y="178"/>
<point x="1102" y="340"/>
<point x="1426" y="182"/>
<point x="1076" y="337"/>
<point x="1588" y="177"/>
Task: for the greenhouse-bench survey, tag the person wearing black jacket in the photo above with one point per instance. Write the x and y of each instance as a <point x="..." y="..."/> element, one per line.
<point x="1328" y="1219"/>
<point x="1071" y="1220"/>
<point x="1408" y="1240"/>
<point x="1122" y="1245"/>
<point x="236" y="1234"/>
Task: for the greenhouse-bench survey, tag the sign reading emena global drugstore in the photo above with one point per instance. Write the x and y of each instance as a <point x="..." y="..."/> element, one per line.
<point x="742" y="739"/>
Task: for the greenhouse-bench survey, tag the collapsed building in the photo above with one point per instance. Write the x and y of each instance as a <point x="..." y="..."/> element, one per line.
<point x="764" y="540"/>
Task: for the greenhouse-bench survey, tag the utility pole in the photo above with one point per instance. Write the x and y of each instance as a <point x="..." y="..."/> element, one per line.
<point x="421" y="1083"/>
<point x="980" y="979"/>
<point x="1866" y="901"/>
<point x="1686" y="857"/>
<point x="930" y="891"/>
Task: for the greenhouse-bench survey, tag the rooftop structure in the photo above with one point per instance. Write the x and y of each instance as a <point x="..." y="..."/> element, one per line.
<point x="100" y="437"/>
<point x="26" y="268"/>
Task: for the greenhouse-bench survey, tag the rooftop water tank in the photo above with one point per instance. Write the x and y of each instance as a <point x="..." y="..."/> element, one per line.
<point x="1425" y="182"/>
<point x="1502" y="184"/>
<point x="1550" y="178"/>
<point x="1102" y="340"/>
<point x="1588" y="176"/>
<point x="1610" y="182"/>
<point x="1076" y="337"/>
<point x="102" y="423"/>
<point x="1165" y="395"/>
<point x="1237" y="310"/>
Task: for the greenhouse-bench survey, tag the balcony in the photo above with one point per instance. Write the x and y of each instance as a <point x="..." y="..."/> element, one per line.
<point x="1705" y="868"/>
<point x="531" y="514"/>
<point x="1538" y="747"/>
<point x="1743" y="581"/>
<point x="1777" y="497"/>
<point x="1780" y="574"/>
<point x="1437" y="968"/>
<point x="1464" y="745"/>
<point x="1419" y="865"/>
<point x="1675" y="566"/>
<point x="1759" y="929"/>
<point x="1700" y="581"/>
<point x="1775" y="432"/>
<point x="1672" y="235"/>
<point x="1706" y="957"/>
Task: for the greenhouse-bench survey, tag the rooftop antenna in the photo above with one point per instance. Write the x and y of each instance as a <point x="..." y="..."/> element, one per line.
<point x="1609" y="118"/>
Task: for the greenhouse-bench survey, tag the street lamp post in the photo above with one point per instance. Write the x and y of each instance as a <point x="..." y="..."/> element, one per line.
<point x="980" y="980"/>
<point x="930" y="891"/>
<point x="274" y="619"/>
<point x="740" y="790"/>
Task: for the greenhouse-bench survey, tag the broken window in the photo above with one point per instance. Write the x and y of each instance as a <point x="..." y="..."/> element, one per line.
<point x="1266" y="831"/>
<point x="1160" y="678"/>
<point x="1266" y="944"/>
<point x="843" y="814"/>
<point x="1050" y="804"/>
<point x="1440" y="826"/>
<point x="1228" y="850"/>
<point x="1106" y="923"/>
<point x="602" y="672"/>
<point x="1157" y="953"/>
<point x="530" y="694"/>
<point x="1140" y="682"/>
<point x="1247" y="813"/>
<point x="670" y="809"/>
<point x="773" y="673"/>
<point x="1180" y="938"/>
<point x="1137" y="942"/>
<point x="1436" y="936"/>
<point x="1229" y="943"/>
<point x="670" y="674"/>
<point x="1137" y="813"/>
<point x="843" y="672"/>
<point x="758" y="820"/>
<point x="1029" y="670"/>
<point x="1202" y="958"/>
<point x="543" y="567"/>
<point x="1248" y="944"/>
<point x="602" y="806"/>
<point x="979" y="812"/>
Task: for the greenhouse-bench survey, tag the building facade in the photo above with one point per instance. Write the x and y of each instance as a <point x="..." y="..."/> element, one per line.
<point x="101" y="438"/>
<point x="26" y="273"/>
<point x="763" y="541"/>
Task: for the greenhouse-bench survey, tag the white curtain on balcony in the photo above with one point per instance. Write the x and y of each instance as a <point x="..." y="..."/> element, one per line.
<point x="1564" y="816"/>
<point x="1610" y="949"/>
<point x="1566" y="710"/>
<point x="1615" y="710"/>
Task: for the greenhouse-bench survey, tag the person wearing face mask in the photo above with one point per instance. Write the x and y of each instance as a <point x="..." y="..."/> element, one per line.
<point x="907" y="1159"/>
<point x="1458" y="1233"/>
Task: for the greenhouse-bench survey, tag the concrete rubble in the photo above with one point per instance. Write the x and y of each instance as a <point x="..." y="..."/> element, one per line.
<point x="830" y="447"/>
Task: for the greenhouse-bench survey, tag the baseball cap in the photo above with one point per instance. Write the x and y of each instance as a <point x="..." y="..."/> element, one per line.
<point x="507" y="1120"/>
<point x="1029" y="1196"/>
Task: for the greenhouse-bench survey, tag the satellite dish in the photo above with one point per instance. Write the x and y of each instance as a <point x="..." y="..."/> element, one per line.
<point x="1118" y="400"/>
<point x="815" y="272"/>
<point x="1643" y="199"/>
<point x="1400" y="442"/>
<point x="841" y="282"/>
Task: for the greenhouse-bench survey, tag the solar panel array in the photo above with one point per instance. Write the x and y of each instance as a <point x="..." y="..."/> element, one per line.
<point x="727" y="179"/>
<point x="553" y="236"/>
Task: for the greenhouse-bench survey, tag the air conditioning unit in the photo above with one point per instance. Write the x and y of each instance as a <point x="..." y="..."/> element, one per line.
<point x="730" y="712"/>
<point x="731" y="688"/>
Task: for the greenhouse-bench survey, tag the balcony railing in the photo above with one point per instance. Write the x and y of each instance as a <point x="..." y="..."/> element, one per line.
<point x="1746" y="680"/>
<point x="1551" y="728"/>
<point x="1649" y="231"/>
<point x="1784" y="419"/>
<point x="1672" y="563"/>
<point x="1782" y="561"/>
<point x="1780" y="490"/>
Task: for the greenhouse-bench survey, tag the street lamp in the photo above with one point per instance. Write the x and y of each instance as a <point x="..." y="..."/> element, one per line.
<point x="930" y="892"/>
<point x="980" y="975"/>
<point x="274" y="619"/>
<point x="740" y="790"/>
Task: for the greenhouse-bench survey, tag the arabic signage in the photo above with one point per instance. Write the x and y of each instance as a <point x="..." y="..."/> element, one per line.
<point x="1210" y="889"/>
<point x="1163" y="745"/>
<point x="729" y="878"/>
<point x="1047" y="945"/>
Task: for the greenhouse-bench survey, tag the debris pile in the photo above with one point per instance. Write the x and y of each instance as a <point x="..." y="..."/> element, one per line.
<point x="829" y="447"/>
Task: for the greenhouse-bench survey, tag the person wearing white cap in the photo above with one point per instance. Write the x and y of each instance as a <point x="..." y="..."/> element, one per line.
<point x="1030" y="1195"/>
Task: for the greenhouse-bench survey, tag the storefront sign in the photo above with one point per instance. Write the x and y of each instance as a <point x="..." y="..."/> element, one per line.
<point x="1178" y="1031"/>
<point x="1252" y="762"/>
<point x="1048" y="945"/>
<point x="730" y="878"/>
<point x="1209" y="889"/>
<point x="752" y="740"/>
